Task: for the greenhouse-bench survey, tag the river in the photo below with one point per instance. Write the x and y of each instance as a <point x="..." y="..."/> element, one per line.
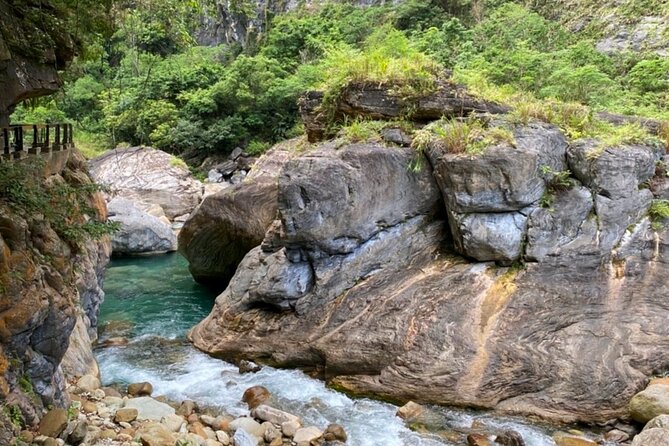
<point x="153" y="301"/>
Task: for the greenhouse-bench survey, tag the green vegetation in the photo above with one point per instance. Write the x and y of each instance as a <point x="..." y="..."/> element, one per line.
<point x="142" y="78"/>
<point x="658" y="212"/>
<point x="67" y="207"/>
<point x="470" y="136"/>
<point x="13" y="413"/>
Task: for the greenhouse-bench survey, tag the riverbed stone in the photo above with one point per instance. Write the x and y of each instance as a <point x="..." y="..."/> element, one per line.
<point x="173" y="422"/>
<point x="410" y="410"/>
<point x="126" y="415"/>
<point x="243" y="438"/>
<point x="186" y="408"/>
<point x="307" y="434"/>
<point x="249" y="425"/>
<point x="661" y="421"/>
<point x="650" y="403"/>
<point x="223" y="438"/>
<point x="140" y="389"/>
<point x="335" y="432"/>
<point x="510" y="438"/>
<point x="88" y="383"/>
<point x="78" y="434"/>
<point x="53" y="423"/>
<point x="652" y="437"/>
<point x="275" y="416"/>
<point x="562" y="439"/>
<point x="155" y="434"/>
<point x="478" y="440"/>
<point x="248" y="367"/>
<point x="255" y="396"/>
<point x="149" y="409"/>
<point x="289" y="428"/>
<point x="271" y="432"/>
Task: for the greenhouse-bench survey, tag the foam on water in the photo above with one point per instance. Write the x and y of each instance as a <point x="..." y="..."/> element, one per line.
<point x="164" y="305"/>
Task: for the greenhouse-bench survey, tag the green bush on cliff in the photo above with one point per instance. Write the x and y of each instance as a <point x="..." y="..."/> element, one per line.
<point x="65" y="206"/>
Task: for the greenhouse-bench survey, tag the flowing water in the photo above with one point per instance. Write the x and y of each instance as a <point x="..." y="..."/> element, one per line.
<point x="153" y="302"/>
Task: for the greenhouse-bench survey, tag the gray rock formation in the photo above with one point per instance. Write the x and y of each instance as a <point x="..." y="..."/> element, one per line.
<point x="139" y="232"/>
<point x="645" y="34"/>
<point x="360" y="280"/>
<point x="149" y="176"/>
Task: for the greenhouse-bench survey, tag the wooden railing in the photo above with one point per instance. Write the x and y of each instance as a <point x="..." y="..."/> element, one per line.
<point x="19" y="140"/>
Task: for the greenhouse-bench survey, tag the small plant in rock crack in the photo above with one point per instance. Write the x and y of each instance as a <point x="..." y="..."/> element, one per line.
<point x="557" y="179"/>
<point x="658" y="212"/>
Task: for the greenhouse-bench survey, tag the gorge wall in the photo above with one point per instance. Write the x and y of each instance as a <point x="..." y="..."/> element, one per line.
<point x="480" y="280"/>
<point x="50" y="284"/>
<point x="34" y="46"/>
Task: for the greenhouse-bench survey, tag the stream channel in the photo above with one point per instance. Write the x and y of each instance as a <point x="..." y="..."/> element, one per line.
<point x="153" y="302"/>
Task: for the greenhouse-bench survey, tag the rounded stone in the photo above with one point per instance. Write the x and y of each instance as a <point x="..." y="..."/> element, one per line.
<point x="255" y="396"/>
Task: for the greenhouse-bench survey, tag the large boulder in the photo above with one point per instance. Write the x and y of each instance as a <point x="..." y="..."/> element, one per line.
<point x="652" y="437"/>
<point x="150" y="176"/>
<point x="230" y="223"/>
<point x="650" y="403"/>
<point x="139" y="232"/>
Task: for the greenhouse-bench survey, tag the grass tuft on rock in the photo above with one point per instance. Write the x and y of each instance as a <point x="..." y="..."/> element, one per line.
<point x="469" y="136"/>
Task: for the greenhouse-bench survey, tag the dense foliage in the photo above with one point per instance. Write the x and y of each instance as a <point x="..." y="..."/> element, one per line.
<point x="149" y="83"/>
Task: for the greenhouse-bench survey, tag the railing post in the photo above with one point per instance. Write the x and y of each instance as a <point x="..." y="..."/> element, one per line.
<point x="5" y="140"/>
<point x="56" y="143"/>
<point x="18" y="144"/>
<point x="66" y="138"/>
<point x="47" y="142"/>
<point x="35" y="137"/>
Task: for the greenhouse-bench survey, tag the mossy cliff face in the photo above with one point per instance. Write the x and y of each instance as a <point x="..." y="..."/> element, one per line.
<point x="34" y="46"/>
<point x="50" y="282"/>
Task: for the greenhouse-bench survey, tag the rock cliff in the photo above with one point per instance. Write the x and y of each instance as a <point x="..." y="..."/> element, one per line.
<point x="50" y="284"/>
<point x="34" y="46"/>
<point x="527" y="278"/>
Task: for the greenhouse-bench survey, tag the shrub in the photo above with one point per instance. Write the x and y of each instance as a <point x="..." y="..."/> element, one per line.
<point x="587" y="85"/>
<point x="650" y="75"/>
<point x="658" y="212"/>
<point x="359" y="130"/>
